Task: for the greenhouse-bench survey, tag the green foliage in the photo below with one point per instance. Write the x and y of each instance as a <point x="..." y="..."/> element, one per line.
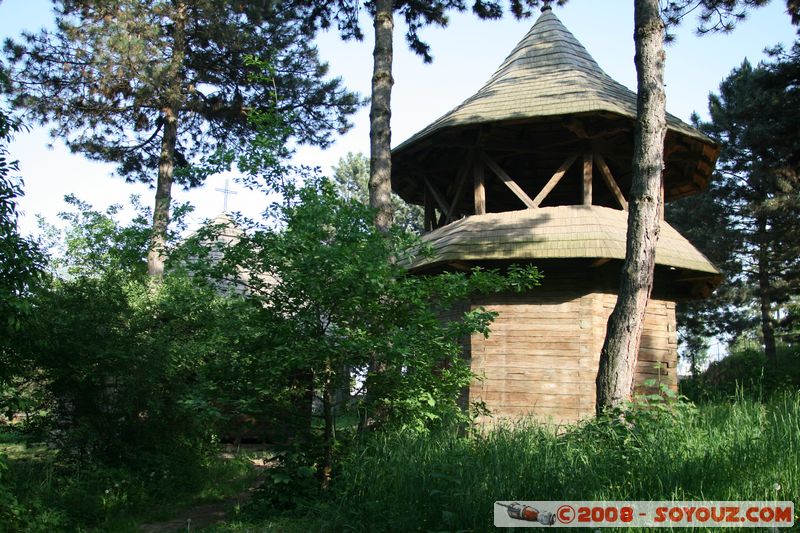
<point x="339" y="311"/>
<point x="740" y="220"/>
<point x="746" y="372"/>
<point x="105" y="75"/>
<point x="290" y="484"/>
<point x="131" y="383"/>
<point x="339" y="298"/>
<point x="91" y="243"/>
<point x="127" y="373"/>
<point x="21" y="269"/>
<point x="21" y="261"/>
<point x="351" y="179"/>
<point x="132" y="377"/>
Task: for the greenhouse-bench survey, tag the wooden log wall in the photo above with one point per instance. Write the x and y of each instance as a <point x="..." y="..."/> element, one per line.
<point x="542" y="356"/>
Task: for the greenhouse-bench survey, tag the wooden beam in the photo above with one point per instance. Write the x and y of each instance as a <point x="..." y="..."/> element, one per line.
<point x="576" y="127"/>
<point x="463" y="173"/>
<point x="510" y="183"/>
<point x="480" y="188"/>
<point x="430" y="214"/>
<point x="696" y="278"/>
<point x="599" y="262"/>
<point x="610" y="181"/>
<point x="587" y="177"/>
<point x="437" y="196"/>
<point x="550" y="185"/>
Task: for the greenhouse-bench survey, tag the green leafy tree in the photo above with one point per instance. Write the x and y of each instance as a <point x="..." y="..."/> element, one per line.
<point x="164" y="89"/>
<point x="21" y="268"/>
<point x="131" y="375"/>
<point x="351" y="179"/>
<point x="21" y="261"/>
<point x="336" y="297"/>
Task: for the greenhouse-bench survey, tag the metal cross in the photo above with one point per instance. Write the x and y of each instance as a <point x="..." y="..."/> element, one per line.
<point x="226" y="191"/>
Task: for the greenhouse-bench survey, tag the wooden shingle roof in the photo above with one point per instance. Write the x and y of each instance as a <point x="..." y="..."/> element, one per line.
<point x="562" y="232"/>
<point x="549" y="73"/>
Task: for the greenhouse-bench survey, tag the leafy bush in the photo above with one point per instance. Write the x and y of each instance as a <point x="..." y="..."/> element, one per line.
<point x="746" y="372"/>
<point x="290" y="483"/>
<point x="130" y="373"/>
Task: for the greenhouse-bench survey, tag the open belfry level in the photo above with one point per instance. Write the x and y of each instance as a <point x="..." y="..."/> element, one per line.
<point x="535" y="168"/>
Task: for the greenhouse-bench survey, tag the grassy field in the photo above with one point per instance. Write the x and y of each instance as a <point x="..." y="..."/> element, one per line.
<point x="744" y="450"/>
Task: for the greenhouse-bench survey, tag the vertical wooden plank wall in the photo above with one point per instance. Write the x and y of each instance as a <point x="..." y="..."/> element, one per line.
<point x="542" y="355"/>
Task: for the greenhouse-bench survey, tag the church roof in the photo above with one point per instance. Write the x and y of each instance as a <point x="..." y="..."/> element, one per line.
<point x="549" y="73"/>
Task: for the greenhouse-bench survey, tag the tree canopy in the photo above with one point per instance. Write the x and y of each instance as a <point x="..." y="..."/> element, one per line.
<point x="165" y="89"/>
<point x="752" y="202"/>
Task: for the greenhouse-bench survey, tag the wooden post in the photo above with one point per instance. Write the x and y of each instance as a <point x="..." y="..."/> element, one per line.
<point x="438" y="197"/>
<point x="663" y="199"/>
<point x="461" y="179"/>
<point x="480" y="188"/>
<point x="587" y="177"/>
<point x="430" y="214"/>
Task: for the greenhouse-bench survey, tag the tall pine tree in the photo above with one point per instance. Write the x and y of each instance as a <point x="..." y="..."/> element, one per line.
<point x="416" y="14"/>
<point x="163" y="88"/>
<point x="754" y="199"/>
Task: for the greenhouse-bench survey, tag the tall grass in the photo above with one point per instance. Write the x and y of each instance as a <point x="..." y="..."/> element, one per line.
<point x="744" y="450"/>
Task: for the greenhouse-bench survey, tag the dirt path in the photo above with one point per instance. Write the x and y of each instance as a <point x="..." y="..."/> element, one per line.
<point x="196" y="517"/>
<point x="205" y="515"/>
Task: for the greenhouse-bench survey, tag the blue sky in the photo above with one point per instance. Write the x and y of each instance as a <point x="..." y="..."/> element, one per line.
<point x="465" y="56"/>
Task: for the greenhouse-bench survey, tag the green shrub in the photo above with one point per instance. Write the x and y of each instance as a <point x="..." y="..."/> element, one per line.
<point x="289" y="484"/>
<point x="746" y="372"/>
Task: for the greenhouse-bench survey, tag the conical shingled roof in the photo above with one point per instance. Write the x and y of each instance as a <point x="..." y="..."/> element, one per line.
<point x="548" y="73"/>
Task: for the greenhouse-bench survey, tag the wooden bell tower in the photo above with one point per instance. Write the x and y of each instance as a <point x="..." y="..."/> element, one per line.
<point x="535" y="168"/>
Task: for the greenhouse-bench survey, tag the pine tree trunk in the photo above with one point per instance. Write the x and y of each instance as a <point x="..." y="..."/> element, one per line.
<point x="623" y="333"/>
<point x="380" y="133"/>
<point x="764" y="291"/>
<point x="166" y="169"/>
<point x="166" y="161"/>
